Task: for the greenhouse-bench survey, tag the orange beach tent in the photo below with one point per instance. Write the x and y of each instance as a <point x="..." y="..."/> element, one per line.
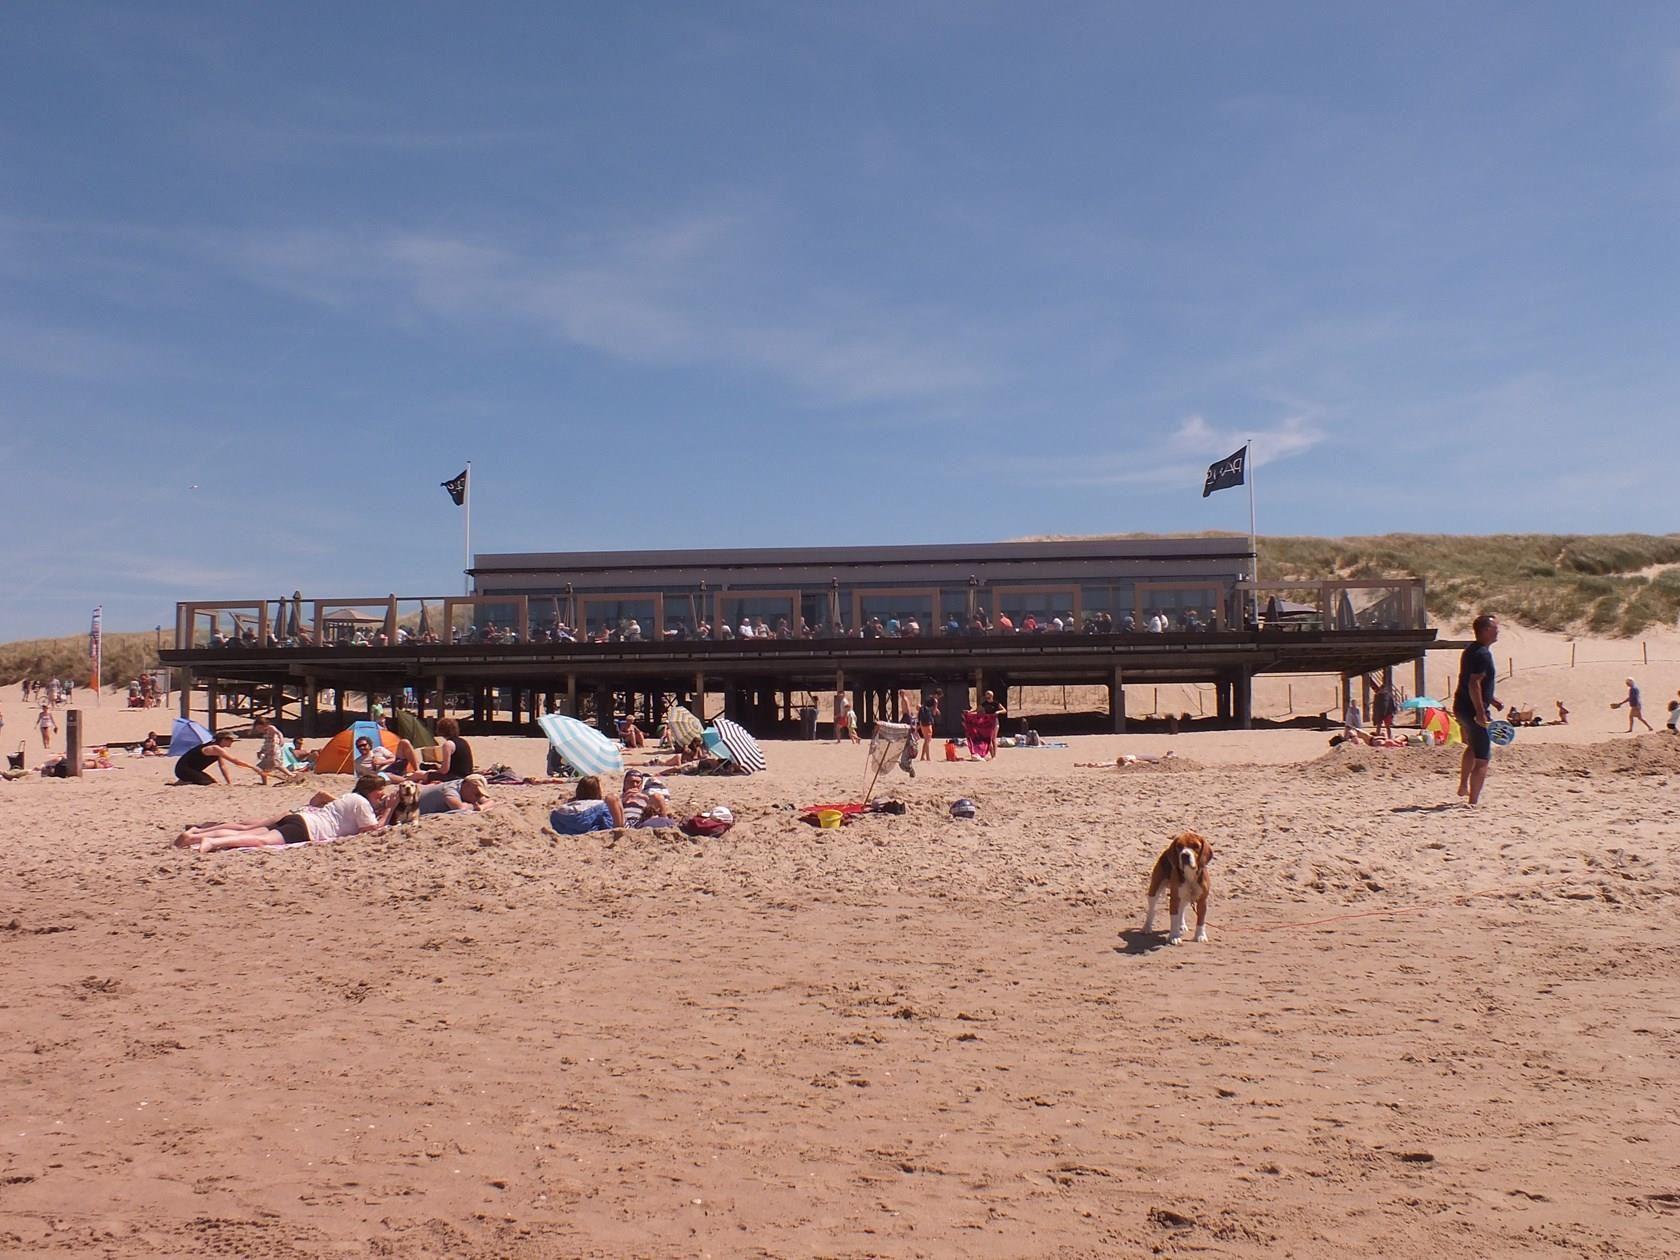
<point x="339" y="756"/>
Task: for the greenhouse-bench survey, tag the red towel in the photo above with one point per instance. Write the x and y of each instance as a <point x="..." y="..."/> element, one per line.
<point x="981" y="732"/>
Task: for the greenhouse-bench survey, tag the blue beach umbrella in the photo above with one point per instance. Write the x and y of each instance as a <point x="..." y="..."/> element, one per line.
<point x="1423" y="702"/>
<point x="582" y="747"/>
<point x="187" y="735"/>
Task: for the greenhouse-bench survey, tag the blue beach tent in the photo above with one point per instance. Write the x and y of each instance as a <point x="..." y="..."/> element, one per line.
<point x="187" y="735"/>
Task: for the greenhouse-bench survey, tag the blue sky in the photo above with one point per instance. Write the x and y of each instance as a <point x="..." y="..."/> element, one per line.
<point x="742" y="274"/>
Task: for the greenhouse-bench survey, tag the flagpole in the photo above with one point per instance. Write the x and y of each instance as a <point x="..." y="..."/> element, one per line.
<point x="466" y="502"/>
<point x="1253" y="536"/>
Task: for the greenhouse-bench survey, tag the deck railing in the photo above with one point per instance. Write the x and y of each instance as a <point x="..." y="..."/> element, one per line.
<point x="392" y="620"/>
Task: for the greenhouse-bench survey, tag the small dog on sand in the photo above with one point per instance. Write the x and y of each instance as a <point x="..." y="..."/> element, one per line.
<point x="1182" y="871"/>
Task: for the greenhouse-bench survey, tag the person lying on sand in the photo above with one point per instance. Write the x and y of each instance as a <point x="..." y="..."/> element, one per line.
<point x="1126" y="759"/>
<point x="657" y="813"/>
<point x="368" y="807"/>
<point x="694" y="751"/>
<point x="1370" y="741"/>
<point x="471" y="794"/>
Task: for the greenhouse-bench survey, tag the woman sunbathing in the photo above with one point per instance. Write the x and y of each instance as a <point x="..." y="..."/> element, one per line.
<point x="1126" y="759"/>
<point x="367" y="808"/>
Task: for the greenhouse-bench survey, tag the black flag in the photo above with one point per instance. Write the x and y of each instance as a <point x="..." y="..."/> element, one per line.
<point x="1226" y="473"/>
<point x="457" y="487"/>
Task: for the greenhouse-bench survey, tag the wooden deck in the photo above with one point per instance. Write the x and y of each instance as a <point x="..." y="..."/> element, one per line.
<point x="748" y="671"/>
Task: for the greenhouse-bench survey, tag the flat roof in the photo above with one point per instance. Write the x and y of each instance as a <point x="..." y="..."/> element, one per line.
<point x="1220" y="548"/>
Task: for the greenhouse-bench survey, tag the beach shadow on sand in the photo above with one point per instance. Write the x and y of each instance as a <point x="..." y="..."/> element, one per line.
<point x="1137" y="941"/>
<point x="1440" y="808"/>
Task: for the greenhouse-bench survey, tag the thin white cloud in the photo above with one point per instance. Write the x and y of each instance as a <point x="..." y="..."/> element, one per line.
<point x="1181" y="457"/>
<point x="691" y="290"/>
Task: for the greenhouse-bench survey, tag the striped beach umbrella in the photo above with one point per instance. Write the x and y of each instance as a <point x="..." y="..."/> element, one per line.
<point x="582" y="747"/>
<point x="743" y="748"/>
<point x="685" y="727"/>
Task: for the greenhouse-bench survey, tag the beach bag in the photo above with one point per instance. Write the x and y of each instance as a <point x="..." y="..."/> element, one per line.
<point x="704" y="826"/>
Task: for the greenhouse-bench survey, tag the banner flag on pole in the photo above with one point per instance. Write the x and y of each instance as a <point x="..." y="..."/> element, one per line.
<point x="1226" y="473"/>
<point x="95" y="646"/>
<point x="457" y="487"/>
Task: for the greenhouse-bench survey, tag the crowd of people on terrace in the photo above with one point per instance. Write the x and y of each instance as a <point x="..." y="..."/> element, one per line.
<point x="631" y="630"/>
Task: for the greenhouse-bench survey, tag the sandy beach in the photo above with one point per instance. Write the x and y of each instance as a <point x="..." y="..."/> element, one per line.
<point x="1418" y="1030"/>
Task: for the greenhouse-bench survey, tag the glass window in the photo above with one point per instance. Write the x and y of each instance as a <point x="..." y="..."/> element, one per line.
<point x="897" y="611"/>
<point x="630" y="619"/>
<point x="814" y="608"/>
<point x="953" y="603"/>
<point x="765" y="613"/>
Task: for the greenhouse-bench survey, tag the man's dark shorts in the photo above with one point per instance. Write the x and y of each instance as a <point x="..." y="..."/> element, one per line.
<point x="1475" y="736"/>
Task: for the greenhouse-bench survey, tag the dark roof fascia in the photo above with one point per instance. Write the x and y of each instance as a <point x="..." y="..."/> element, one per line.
<point x="533" y="562"/>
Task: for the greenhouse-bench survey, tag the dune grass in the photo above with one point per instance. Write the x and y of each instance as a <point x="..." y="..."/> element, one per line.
<point x="1601" y="584"/>
<point x="1613" y="585"/>
<point x="125" y="656"/>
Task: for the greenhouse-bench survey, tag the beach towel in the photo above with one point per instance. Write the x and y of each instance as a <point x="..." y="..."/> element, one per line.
<point x="981" y="731"/>
<point x="892" y="742"/>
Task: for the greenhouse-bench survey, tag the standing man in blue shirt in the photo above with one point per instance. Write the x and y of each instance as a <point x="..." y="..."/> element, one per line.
<point x="1471" y="702"/>
<point x="1635" y="707"/>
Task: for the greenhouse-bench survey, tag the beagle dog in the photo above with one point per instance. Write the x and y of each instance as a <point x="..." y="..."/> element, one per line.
<point x="1182" y="870"/>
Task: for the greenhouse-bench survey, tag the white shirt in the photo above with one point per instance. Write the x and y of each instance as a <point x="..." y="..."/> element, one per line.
<point x="343" y="817"/>
<point x="745" y="632"/>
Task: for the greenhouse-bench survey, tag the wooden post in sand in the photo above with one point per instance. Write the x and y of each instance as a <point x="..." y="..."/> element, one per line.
<point x="73" y="742"/>
<point x="700" y="696"/>
<point x="210" y="703"/>
<point x="1117" y="703"/>
<point x="1245" y="699"/>
<point x="186" y="692"/>
<point x="1420" y="676"/>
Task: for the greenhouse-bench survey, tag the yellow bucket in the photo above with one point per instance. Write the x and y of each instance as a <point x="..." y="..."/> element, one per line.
<point x="830" y="818"/>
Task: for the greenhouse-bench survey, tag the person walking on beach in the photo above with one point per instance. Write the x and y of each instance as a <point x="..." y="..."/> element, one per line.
<point x="1636" y="710"/>
<point x="927" y="716"/>
<point x="1383" y="704"/>
<point x="1471" y="702"/>
<point x="48" y="726"/>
